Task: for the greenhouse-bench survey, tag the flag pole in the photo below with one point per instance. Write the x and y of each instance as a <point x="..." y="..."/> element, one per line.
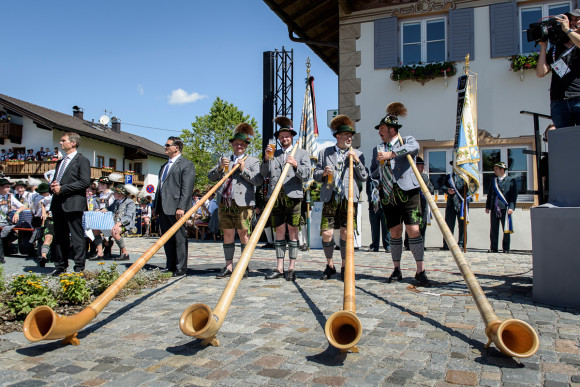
<point x="308" y="195"/>
<point x="465" y="184"/>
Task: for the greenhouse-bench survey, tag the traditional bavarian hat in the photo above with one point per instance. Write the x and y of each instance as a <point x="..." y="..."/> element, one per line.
<point x="42" y="188"/>
<point x="394" y="111"/>
<point x="285" y="124"/>
<point x="243" y="132"/>
<point x="341" y="124"/>
<point x="501" y="165"/>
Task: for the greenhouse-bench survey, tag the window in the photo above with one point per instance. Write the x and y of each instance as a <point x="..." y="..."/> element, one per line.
<point x="488" y="158"/>
<point x="139" y="168"/>
<point x="100" y="161"/>
<point x="113" y="164"/>
<point x="518" y="168"/>
<point x="437" y="168"/>
<point x="533" y="14"/>
<point x="423" y="41"/>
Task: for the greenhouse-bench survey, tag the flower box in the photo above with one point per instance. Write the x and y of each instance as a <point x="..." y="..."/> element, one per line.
<point x="523" y="62"/>
<point x="423" y="72"/>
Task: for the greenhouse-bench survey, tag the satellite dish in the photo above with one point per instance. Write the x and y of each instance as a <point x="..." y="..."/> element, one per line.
<point x="104" y="120"/>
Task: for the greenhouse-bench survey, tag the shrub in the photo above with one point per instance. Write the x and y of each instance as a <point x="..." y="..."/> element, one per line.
<point x="74" y="288"/>
<point x="106" y="277"/>
<point x="28" y="292"/>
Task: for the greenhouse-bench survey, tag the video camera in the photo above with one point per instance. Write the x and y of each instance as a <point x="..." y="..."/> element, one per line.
<point x="547" y="30"/>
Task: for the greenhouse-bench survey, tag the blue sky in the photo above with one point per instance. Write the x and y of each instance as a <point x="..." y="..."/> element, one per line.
<point x="151" y="63"/>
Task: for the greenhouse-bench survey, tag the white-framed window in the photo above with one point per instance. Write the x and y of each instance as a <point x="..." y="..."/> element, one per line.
<point x="533" y="14"/>
<point x="424" y="41"/>
<point x="519" y="167"/>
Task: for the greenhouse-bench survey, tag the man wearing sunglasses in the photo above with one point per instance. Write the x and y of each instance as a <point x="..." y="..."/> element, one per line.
<point x="172" y="201"/>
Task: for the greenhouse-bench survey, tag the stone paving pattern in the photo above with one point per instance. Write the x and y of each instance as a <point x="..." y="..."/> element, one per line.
<point x="274" y="331"/>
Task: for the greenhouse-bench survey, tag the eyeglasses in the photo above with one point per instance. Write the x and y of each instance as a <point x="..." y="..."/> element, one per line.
<point x="168" y="145"/>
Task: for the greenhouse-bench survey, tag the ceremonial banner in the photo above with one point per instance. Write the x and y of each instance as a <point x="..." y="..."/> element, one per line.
<point x="466" y="147"/>
<point x="309" y="126"/>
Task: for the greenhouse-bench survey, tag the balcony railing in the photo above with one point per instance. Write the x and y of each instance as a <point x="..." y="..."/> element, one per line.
<point x="38" y="168"/>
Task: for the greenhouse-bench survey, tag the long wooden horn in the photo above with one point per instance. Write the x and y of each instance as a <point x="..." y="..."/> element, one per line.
<point x="343" y="329"/>
<point x="42" y="323"/>
<point x="198" y="320"/>
<point x="513" y="337"/>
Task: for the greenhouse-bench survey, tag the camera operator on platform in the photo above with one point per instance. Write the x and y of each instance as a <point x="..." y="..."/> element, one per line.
<point x="563" y="59"/>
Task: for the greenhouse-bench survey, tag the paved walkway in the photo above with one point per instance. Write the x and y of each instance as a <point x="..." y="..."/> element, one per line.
<point x="274" y="331"/>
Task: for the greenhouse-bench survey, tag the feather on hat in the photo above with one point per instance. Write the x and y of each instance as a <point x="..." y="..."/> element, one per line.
<point x="342" y="123"/>
<point x="243" y="132"/>
<point x="394" y="111"/>
<point x="285" y="124"/>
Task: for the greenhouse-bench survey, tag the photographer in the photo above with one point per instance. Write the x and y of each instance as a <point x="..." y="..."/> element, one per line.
<point x="563" y="59"/>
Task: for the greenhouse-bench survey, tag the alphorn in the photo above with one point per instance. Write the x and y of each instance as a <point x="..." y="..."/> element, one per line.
<point x="198" y="320"/>
<point x="343" y="329"/>
<point x="513" y="337"/>
<point x="42" y="323"/>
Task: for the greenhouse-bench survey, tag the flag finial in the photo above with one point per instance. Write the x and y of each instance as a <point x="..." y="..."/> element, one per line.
<point x="467" y="64"/>
<point x="307" y="67"/>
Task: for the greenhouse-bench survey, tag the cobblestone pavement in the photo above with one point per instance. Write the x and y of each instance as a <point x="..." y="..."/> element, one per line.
<point x="274" y="331"/>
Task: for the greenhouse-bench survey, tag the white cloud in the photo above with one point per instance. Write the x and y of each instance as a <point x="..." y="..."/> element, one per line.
<point x="180" y="96"/>
<point x="140" y="89"/>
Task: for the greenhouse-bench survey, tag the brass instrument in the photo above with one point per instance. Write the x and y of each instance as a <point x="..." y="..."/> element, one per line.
<point x="343" y="329"/>
<point x="42" y="323"/>
<point x="198" y="320"/>
<point x="513" y="337"/>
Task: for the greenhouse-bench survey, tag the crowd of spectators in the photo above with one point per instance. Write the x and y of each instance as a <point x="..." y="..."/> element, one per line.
<point x="43" y="154"/>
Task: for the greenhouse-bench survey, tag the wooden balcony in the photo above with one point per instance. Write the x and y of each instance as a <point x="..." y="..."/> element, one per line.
<point x="23" y="169"/>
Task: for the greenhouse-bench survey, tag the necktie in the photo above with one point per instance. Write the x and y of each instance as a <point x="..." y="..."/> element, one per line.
<point x="61" y="169"/>
<point x="164" y="176"/>
<point x="387" y="174"/>
<point x="338" y="178"/>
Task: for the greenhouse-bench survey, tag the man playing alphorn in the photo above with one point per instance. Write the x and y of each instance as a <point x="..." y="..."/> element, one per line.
<point x="332" y="170"/>
<point x="237" y="196"/>
<point x="287" y="207"/>
<point x="399" y="190"/>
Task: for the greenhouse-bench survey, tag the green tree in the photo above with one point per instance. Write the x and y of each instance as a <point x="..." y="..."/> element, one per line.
<point x="208" y="138"/>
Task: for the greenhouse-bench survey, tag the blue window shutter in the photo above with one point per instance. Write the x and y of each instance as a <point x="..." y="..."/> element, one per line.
<point x="461" y="34"/>
<point x="386" y="43"/>
<point x="504" y="24"/>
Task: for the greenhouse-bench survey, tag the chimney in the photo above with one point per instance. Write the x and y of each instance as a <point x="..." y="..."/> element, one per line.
<point x="78" y="112"/>
<point x="116" y="125"/>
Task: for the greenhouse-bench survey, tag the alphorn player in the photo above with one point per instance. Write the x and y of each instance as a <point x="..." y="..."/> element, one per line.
<point x="332" y="170"/>
<point x="399" y="190"/>
<point x="236" y="198"/>
<point x="287" y="208"/>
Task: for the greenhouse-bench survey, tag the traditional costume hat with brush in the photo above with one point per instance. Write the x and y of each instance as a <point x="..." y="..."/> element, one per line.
<point x="394" y="111"/>
<point x="243" y="132"/>
<point x="341" y="124"/>
<point x="285" y="124"/>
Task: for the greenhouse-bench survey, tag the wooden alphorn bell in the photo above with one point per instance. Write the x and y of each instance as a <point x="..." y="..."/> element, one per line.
<point x="198" y="320"/>
<point x="513" y="337"/>
<point x="42" y="323"/>
<point x="343" y="329"/>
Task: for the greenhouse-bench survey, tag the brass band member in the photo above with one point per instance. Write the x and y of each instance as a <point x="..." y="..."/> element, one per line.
<point x="287" y="208"/>
<point x="332" y="170"/>
<point x="399" y="190"/>
<point x="236" y="197"/>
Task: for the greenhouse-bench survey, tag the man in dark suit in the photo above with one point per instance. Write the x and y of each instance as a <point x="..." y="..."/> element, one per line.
<point x="501" y="201"/>
<point x="172" y="201"/>
<point x="71" y="179"/>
